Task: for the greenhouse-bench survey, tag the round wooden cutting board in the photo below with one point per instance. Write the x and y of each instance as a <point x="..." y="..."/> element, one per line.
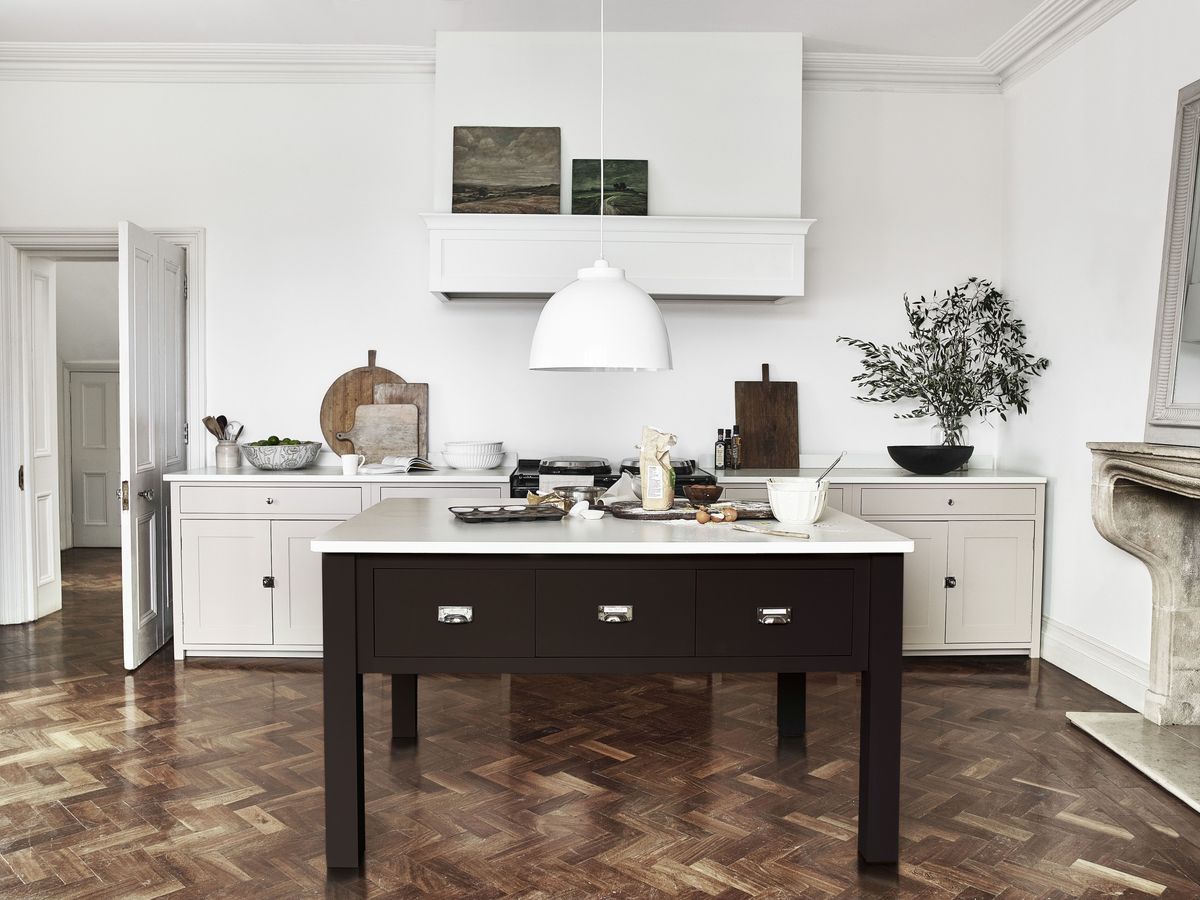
<point x="350" y="391"/>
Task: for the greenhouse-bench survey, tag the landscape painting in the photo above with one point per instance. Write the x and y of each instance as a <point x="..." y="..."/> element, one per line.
<point x="625" y="187"/>
<point x="506" y="170"/>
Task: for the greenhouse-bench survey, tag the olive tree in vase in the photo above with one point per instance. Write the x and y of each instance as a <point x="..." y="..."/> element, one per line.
<point x="965" y="357"/>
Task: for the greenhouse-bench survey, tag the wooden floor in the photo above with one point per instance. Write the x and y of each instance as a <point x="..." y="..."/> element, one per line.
<point x="204" y="780"/>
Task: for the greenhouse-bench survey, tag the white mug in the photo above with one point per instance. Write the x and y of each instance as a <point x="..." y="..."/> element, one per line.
<point x="351" y="462"/>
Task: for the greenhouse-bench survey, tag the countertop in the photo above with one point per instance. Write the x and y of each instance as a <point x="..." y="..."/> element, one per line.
<point x="427" y="526"/>
<point x="878" y="476"/>
<point x="320" y="474"/>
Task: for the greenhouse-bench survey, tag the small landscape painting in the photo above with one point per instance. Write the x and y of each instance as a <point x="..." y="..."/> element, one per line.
<point x="625" y="185"/>
<point x="506" y="170"/>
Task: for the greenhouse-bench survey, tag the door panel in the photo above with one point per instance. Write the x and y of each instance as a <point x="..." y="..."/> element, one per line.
<point x="43" y="472"/>
<point x="992" y="563"/>
<point x="95" y="459"/>
<point x="224" y="563"/>
<point x="151" y="292"/>
<point x="924" y="580"/>
<point x="296" y="599"/>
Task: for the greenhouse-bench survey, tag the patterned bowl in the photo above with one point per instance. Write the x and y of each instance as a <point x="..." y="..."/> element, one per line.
<point x="282" y="456"/>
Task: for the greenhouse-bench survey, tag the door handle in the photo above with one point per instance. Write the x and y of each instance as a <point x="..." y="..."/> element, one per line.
<point x="774" y="615"/>
<point x="147" y="495"/>
<point x="21" y="477"/>
<point x="951" y="581"/>
<point x="615" y="613"/>
<point x="455" y="615"/>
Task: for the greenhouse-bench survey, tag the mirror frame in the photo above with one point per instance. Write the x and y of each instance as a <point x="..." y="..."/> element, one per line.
<point x="1168" y="422"/>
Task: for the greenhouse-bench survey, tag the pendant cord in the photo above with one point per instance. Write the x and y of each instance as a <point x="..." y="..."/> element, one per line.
<point x="602" y="129"/>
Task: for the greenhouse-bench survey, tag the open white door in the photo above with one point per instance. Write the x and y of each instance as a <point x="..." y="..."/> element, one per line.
<point x="41" y="471"/>
<point x="152" y="402"/>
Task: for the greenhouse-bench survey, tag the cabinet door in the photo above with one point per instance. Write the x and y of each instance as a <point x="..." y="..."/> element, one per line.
<point x="924" y="581"/>
<point x="297" y="571"/>
<point x="992" y="565"/>
<point x="224" y="563"/>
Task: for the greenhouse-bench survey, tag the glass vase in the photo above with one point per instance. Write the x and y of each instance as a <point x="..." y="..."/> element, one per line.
<point x="951" y="433"/>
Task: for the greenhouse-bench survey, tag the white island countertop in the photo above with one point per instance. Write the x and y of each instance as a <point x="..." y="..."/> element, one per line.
<point x="427" y="526"/>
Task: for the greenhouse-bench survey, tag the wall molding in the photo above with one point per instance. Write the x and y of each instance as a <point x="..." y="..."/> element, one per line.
<point x="1101" y="665"/>
<point x="216" y="63"/>
<point x="1048" y="30"/>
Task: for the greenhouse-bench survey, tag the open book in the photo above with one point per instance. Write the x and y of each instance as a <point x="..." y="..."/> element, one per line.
<point x="391" y="465"/>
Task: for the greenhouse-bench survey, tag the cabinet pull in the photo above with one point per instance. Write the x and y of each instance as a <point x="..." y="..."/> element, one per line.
<point x="270" y="500"/>
<point x="615" y="613"/>
<point x="774" y="615"/>
<point x="455" y="615"/>
<point x="951" y="581"/>
<point x="268" y="581"/>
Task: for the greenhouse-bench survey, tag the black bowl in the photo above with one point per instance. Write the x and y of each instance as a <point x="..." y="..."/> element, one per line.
<point x="929" y="459"/>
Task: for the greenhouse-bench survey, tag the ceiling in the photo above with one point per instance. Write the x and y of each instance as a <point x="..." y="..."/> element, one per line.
<point x="910" y="27"/>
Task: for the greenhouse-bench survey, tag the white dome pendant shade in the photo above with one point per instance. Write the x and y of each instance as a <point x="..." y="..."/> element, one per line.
<point x="601" y="323"/>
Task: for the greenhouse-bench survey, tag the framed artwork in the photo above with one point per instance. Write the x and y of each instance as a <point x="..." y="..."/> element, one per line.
<point x="625" y="187"/>
<point x="506" y="170"/>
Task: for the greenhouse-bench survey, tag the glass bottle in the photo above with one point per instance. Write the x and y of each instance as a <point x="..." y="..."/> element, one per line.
<point x="719" y="450"/>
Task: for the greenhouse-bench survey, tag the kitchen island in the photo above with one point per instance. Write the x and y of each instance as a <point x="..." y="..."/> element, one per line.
<point x="409" y="590"/>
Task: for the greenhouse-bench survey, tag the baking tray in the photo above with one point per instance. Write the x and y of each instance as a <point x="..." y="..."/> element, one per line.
<point x="510" y="513"/>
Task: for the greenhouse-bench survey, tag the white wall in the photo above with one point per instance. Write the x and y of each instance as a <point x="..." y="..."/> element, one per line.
<point x="86" y="294"/>
<point x="310" y="194"/>
<point x="1088" y="143"/>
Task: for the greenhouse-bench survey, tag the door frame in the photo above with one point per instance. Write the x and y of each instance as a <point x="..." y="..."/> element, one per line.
<point x="67" y="369"/>
<point x="17" y="602"/>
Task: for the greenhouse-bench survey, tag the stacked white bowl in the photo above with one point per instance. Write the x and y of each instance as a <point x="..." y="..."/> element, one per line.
<point x="473" y="454"/>
<point x="796" y="501"/>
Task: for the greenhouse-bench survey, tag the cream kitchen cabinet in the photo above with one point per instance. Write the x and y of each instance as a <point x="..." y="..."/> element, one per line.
<point x="247" y="582"/>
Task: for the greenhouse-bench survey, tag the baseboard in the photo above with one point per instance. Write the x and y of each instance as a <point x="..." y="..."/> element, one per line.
<point x="1101" y="665"/>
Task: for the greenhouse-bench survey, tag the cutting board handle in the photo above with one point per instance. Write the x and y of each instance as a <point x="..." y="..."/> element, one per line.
<point x="370" y="359"/>
<point x="766" y="372"/>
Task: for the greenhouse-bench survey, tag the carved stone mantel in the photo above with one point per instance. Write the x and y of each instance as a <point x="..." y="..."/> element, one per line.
<point x="1144" y="500"/>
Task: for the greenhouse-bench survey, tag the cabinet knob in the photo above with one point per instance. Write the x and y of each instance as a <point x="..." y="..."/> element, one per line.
<point x="951" y="581"/>
<point x="774" y="615"/>
<point x="270" y="500"/>
<point x="950" y="502"/>
<point x="615" y="613"/>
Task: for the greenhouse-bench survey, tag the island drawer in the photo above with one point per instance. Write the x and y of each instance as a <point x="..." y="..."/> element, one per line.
<point x="781" y="612"/>
<point x="442" y="491"/>
<point x="270" y="501"/>
<point x="594" y="613"/>
<point x="949" y="501"/>
<point x="453" y="613"/>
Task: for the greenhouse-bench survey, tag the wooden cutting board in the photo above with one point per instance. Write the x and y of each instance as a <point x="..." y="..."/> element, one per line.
<point x="418" y="396"/>
<point x="768" y="415"/>
<point x="383" y="430"/>
<point x="632" y="509"/>
<point x="347" y="393"/>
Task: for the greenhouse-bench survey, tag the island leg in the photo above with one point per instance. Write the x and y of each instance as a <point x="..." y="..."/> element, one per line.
<point x="404" y="707"/>
<point x="790" y="703"/>
<point x="345" y="815"/>
<point x="879" y="738"/>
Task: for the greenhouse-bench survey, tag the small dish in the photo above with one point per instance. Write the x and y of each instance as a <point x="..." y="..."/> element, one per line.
<point x="703" y="494"/>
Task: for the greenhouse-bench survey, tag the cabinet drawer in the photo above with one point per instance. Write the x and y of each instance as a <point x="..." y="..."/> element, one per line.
<point x="463" y="491"/>
<point x="949" y="501"/>
<point x="661" y="613"/>
<point x="273" y="501"/>
<point x="827" y="608"/>
<point x="406" y="612"/>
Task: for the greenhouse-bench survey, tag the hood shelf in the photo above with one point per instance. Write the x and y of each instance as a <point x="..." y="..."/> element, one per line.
<point x="473" y="256"/>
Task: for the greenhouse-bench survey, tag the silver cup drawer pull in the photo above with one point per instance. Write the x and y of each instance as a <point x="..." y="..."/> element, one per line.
<point x="455" y="615"/>
<point x="774" y="615"/>
<point x="615" y="613"/>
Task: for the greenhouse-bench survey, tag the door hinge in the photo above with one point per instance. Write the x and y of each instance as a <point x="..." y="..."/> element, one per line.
<point x="185" y="285"/>
<point x="21" y="476"/>
<point x="124" y="495"/>
<point x="185" y="432"/>
<point x="268" y="581"/>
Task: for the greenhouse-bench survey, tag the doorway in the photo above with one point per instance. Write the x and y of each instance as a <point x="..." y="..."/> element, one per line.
<point x="65" y="396"/>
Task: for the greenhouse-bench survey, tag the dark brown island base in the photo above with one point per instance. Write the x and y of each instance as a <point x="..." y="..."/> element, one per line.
<point x="409" y="590"/>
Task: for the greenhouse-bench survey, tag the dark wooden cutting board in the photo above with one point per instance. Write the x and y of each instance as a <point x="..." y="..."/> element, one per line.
<point x="768" y="415"/>
<point x="350" y="391"/>
<point x="681" y="510"/>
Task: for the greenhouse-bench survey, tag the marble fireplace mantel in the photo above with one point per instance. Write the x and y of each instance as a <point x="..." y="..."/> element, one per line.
<point x="1144" y="501"/>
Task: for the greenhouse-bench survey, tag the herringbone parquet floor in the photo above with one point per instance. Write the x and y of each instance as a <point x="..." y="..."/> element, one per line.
<point x="204" y="780"/>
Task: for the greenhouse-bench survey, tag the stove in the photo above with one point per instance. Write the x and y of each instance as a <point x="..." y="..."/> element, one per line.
<point x="555" y="471"/>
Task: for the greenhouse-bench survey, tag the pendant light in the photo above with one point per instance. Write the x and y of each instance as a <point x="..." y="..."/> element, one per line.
<point x="601" y="322"/>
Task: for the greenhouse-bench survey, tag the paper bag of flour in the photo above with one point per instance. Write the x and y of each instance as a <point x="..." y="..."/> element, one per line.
<point x="658" y="478"/>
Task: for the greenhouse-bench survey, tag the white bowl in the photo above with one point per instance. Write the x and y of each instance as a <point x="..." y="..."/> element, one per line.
<point x="796" y="501"/>
<point x="473" y="458"/>
<point x="478" y="446"/>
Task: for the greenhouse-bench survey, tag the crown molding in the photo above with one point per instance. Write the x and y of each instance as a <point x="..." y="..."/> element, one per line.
<point x="1049" y="29"/>
<point x="887" y="72"/>
<point x="216" y="63"/>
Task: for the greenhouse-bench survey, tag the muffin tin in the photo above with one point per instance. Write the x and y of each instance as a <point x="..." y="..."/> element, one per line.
<point x="510" y="513"/>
